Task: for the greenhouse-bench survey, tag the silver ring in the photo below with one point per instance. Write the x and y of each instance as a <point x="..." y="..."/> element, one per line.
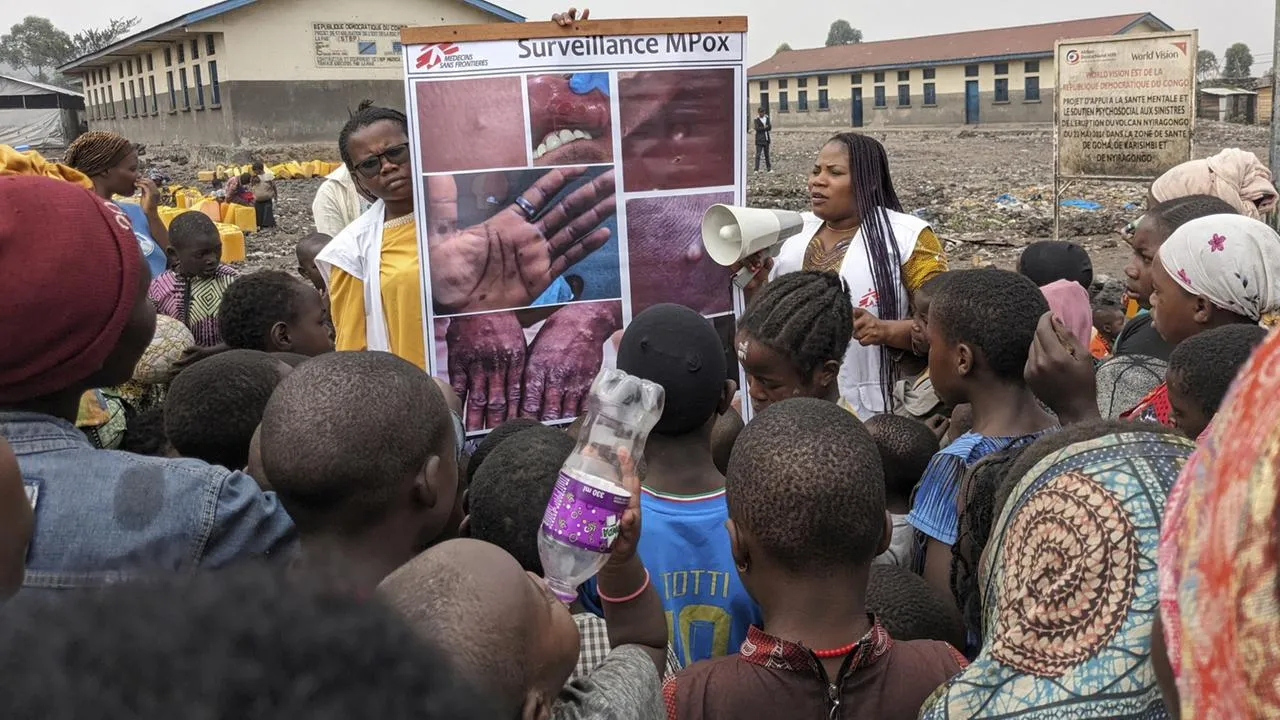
<point x="526" y="207"/>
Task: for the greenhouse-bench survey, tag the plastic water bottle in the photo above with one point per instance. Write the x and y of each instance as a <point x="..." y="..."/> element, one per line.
<point x="589" y="498"/>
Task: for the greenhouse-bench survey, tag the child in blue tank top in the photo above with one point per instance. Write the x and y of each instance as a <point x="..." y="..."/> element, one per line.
<point x="684" y="545"/>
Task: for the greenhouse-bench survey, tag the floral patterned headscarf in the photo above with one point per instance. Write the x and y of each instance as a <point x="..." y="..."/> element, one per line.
<point x="1232" y="260"/>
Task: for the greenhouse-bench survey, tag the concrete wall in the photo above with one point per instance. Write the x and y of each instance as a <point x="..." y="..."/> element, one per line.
<point x="274" y="39"/>
<point x="271" y="89"/>
<point x="305" y="111"/>
<point x="949" y="86"/>
<point x="948" y="82"/>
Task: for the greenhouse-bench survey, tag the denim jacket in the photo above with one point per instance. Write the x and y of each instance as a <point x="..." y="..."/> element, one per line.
<point x="103" y="516"/>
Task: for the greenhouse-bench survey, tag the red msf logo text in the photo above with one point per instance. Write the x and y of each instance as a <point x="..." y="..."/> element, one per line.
<point x="433" y="55"/>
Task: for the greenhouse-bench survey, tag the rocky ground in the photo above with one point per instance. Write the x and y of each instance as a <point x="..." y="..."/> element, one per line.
<point x="952" y="178"/>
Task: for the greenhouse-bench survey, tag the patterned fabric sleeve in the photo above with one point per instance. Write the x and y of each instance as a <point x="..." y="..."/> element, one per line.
<point x="927" y="260"/>
<point x="164" y="294"/>
<point x="933" y="510"/>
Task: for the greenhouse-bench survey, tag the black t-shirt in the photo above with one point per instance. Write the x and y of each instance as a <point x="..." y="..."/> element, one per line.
<point x="1138" y="337"/>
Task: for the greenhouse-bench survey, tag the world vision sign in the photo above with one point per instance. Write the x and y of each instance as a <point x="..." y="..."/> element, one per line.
<point x="1125" y="106"/>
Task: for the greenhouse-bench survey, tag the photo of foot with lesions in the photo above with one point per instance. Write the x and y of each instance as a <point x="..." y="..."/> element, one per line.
<point x="570" y="119"/>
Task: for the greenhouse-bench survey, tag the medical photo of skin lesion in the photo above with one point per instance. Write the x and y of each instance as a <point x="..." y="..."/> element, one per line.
<point x="570" y="119"/>
<point x="536" y="362"/>
<point x="471" y="124"/>
<point x="666" y="259"/>
<point x="510" y="239"/>
<point x="678" y="129"/>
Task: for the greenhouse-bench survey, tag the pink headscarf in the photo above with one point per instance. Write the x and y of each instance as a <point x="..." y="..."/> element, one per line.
<point x="1237" y="177"/>
<point x="1070" y="302"/>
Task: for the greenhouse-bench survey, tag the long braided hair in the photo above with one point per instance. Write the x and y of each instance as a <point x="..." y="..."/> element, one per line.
<point x="873" y="195"/>
<point x="94" y="153"/>
<point x="807" y="316"/>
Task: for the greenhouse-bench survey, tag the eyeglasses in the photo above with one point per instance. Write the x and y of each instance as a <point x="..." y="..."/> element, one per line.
<point x="372" y="165"/>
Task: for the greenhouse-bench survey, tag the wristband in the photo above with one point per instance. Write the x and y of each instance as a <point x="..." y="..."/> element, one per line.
<point x="618" y="601"/>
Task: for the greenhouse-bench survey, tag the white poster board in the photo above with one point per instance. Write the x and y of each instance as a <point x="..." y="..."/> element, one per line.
<point x="561" y="177"/>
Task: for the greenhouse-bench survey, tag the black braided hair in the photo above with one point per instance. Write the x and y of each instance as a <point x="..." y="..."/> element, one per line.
<point x="805" y="315"/>
<point x="1173" y="214"/>
<point x="367" y="114"/>
<point x="873" y="196"/>
<point x="1203" y="366"/>
<point x="96" y="152"/>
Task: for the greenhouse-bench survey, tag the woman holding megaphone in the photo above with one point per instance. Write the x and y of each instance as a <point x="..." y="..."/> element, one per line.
<point x="857" y="229"/>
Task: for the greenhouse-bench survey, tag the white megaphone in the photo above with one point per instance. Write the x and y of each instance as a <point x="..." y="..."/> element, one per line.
<point x="731" y="234"/>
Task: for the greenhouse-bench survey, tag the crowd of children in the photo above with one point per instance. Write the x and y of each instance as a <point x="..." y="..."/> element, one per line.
<point x="1042" y="526"/>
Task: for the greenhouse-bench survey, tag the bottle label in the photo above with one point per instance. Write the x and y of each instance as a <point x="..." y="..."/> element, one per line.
<point x="582" y="515"/>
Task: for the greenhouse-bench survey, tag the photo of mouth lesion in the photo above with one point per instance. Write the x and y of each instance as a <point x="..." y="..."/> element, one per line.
<point x="570" y="119"/>
<point x="508" y="239"/>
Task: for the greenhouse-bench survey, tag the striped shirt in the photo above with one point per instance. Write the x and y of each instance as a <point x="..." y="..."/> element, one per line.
<point x="933" y="505"/>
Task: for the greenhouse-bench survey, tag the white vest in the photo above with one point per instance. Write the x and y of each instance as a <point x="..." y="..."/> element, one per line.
<point x="859" y="377"/>
<point x="357" y="251"/>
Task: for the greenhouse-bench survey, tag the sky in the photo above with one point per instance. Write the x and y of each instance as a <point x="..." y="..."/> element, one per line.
<point x="772" y="22"/>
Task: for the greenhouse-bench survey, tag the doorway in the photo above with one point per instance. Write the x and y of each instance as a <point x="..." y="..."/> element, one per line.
<point x="856" y="120"/>
<point x="971" y="102"/>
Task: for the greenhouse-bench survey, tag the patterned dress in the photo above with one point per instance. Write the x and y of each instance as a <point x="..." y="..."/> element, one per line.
<point x="1070" y="587"/>
<point x="193" y="301"/>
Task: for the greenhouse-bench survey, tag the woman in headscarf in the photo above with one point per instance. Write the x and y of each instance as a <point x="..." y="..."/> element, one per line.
<point x="111" y="162"/>
<point x="1069" y="582"/>
<point x="1235" y="176"/>
<point x="1213" y="271"/>
<point x="1218" y="558"/>
<point x="857" y="229"/>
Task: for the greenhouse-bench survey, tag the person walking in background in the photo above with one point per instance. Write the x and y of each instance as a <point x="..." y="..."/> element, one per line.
<point x="763" y="129"/>
<point x="262" y="184"/>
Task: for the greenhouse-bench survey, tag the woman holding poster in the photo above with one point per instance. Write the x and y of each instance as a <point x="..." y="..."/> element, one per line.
<point x="857" y="228"/>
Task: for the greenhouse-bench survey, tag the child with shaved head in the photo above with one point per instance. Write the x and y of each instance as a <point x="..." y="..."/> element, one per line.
<point x="506" y="627"/>
<point x="360" y="448"/>
<point x="806" y="516"/>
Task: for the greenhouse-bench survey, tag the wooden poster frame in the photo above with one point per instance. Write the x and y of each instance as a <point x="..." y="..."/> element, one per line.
<point x="527" y="30"/>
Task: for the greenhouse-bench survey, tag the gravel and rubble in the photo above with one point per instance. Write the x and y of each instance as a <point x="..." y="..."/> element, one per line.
<point x="988" y="192"/>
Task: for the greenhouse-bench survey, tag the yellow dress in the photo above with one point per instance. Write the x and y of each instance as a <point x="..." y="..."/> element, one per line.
<point x="401" y="296"/>
<point x="927" y="260"/>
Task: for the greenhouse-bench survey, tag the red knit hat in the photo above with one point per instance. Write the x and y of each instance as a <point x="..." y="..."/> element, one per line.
<point x="69" y="267"/>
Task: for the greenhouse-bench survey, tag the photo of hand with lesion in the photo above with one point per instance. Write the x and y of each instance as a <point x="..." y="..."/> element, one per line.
<point x="519" y="238"/>
<point x="536" y="363"/>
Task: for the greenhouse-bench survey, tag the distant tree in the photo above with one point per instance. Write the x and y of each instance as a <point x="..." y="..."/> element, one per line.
<point x="1206" y="65"/>
<point x="842" y="33"/>
<point x="784" y="47"/>
<point x="1237" y="62"/>
<point x="36" y="46"/>
<point x="91" y="40"/>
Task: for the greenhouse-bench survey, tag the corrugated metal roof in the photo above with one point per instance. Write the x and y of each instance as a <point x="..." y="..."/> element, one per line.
<point x="1225" y="91"/>
<point x="226" y="6"/>
<point x="998" y="43"/>
<point x="42" y="86"/>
